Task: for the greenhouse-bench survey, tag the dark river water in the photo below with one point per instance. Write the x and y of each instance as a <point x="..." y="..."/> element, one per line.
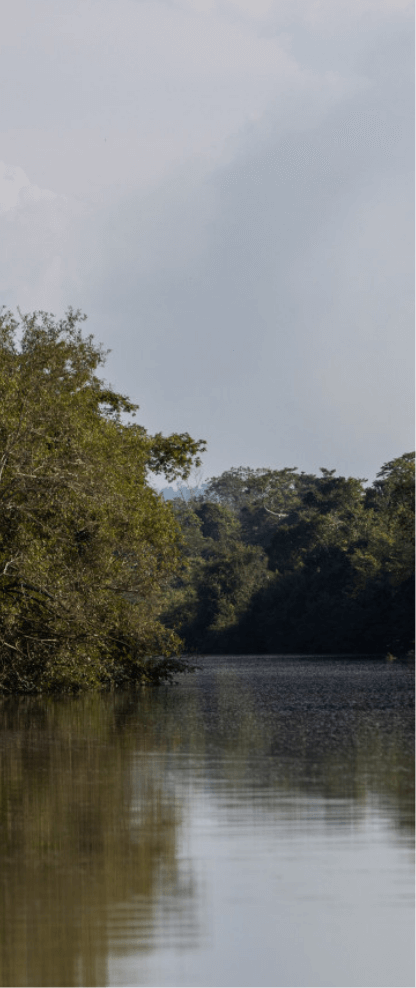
<point x="251" y="825"/>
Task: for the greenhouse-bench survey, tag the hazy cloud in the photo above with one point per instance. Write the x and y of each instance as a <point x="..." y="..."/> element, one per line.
<point x="225" y="187"/>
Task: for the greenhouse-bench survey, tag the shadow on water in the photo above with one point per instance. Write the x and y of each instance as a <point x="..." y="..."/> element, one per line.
<point x="95" y="790"/>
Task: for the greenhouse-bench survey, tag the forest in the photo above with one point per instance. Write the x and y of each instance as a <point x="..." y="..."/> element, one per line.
<point x="105" y="584"/>
<point x="282" y="561"/>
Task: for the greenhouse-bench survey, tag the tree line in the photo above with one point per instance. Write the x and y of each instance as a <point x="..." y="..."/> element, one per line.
<point x="104" y="584"/>
<point x="282" y="561"/>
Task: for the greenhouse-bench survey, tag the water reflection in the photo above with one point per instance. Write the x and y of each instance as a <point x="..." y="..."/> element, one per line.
<point x="99" y="797"/>
<point x="75" y="840"/>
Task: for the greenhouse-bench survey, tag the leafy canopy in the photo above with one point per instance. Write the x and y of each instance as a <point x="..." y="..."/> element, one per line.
<point x="86" y="545"/>
<point x="281" y="561"/>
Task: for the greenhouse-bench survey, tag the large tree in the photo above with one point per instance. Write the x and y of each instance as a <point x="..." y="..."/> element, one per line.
<point x="86" y="545"/>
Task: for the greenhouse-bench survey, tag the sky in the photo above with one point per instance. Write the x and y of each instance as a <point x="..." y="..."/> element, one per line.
<point x="225" y="188"/>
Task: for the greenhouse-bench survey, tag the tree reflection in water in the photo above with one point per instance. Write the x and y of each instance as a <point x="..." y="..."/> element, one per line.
<point x="71" y="847"/>
<point x="95" y="791"/>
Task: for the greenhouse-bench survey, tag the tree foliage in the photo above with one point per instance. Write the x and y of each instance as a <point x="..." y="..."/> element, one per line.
<point x="86" y="543"/>
<point x="331" y="566"/>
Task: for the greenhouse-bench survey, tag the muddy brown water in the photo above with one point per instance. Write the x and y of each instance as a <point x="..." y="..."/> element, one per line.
<point x="251" y="825"/>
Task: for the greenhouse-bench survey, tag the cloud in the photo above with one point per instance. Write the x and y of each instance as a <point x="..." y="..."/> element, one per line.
<point x="16" y="191"/>
<point x="270" y="302"/>
<point x="230" y="206"/>
<point x="111" y="98"/>
<point x="319" y="14"/>
<point x="39" y="233"/>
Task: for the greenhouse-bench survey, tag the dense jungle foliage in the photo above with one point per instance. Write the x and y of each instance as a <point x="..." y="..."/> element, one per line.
<point x="86" y="544"/>
<point x="103" y="583"/>
<point x="280" y="561"/>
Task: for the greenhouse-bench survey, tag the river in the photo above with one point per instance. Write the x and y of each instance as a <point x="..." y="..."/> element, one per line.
<point x="250" y="825"/>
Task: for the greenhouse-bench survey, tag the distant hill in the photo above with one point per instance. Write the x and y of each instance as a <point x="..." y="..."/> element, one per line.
<point x="186" y="493"/>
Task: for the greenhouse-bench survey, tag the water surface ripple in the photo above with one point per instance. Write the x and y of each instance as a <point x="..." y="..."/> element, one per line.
<point x="250" y="826"/>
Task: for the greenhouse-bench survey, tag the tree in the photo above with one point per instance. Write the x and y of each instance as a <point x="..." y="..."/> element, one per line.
<point x="343" y="569"/>
<point x="86" y="545"/>
<point x="392" y="498"/>
<point x="218" y="593"/>
<point x="281" y="561"/>
<point x="221" y="574"/>
<point x="261" y="499"/>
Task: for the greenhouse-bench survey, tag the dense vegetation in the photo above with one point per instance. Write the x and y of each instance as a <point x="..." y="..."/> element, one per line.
<point x="86" y="545"/>
<point x="96" y="569"/>
<point x="282" y="561"/>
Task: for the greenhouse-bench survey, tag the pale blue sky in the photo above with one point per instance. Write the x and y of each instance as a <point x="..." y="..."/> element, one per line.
<point x="226" y="188"/>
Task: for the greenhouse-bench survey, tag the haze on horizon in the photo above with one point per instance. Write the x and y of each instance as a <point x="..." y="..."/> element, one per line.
<point x="225" y="187"/>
